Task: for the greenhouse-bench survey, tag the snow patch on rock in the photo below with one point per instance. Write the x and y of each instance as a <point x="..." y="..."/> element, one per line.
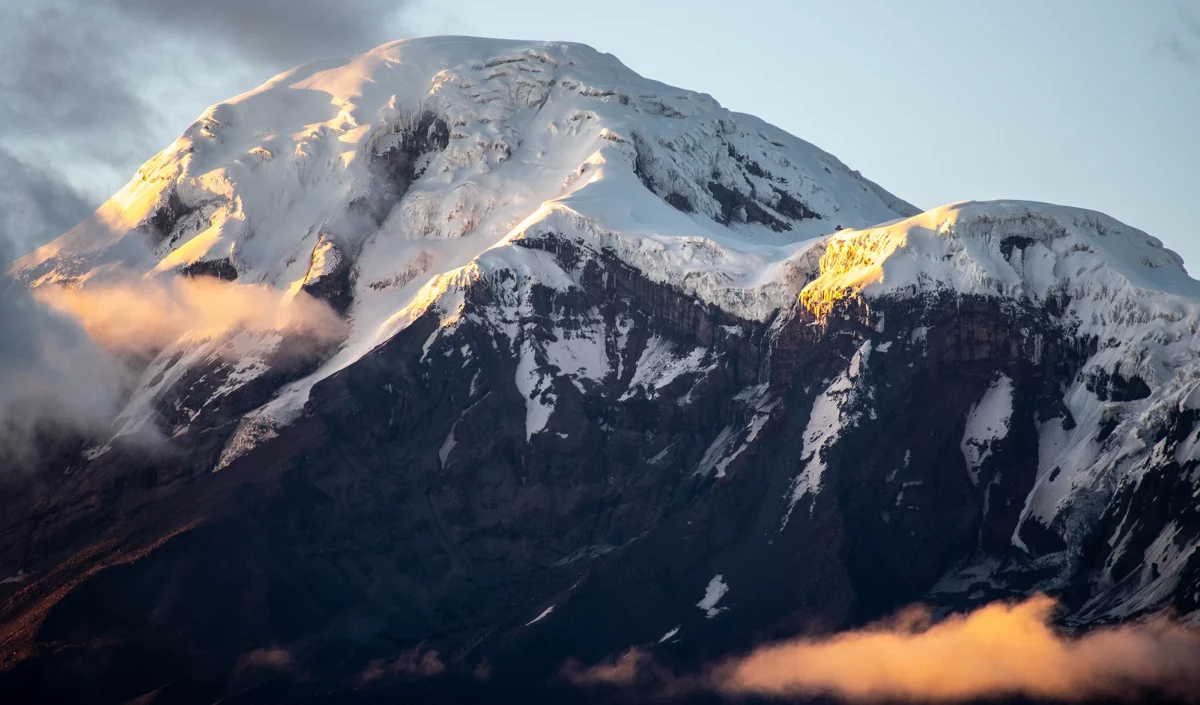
<point x="660" y="364"/>
<point x="832" y="412"/>
<point x="987" y="424"/>
<point x="713" y="592"/>
<point x="545" y="613"/>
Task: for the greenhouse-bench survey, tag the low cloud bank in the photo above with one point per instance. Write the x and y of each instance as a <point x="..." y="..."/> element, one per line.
<point x="999" y="650"/>
<point x="69" y="355"/>
<point x="52" y="376"/>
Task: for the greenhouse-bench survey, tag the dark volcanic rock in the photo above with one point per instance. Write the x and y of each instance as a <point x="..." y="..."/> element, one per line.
<point x="335" y="284"/>
<point x="223" y="269"/>
<point x="412" y="511"/>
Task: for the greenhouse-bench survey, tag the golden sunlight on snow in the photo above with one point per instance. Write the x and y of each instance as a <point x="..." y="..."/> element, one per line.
<point x="852" y="261"/>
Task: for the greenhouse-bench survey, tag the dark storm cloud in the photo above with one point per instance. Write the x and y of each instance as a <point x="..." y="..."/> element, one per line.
<point x="35" y="204"/>
<point x="282" y="34"/>
<point x="58" y="72"/>
<point x="61" y="92"/>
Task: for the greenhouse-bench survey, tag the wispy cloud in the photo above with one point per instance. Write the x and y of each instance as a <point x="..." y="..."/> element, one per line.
<point x="68" y="354"/>
<point x="139" y="315"/>
<point x="53" y="377"/>
<point x="416" y="662"/>
<point x="36" y="202"/>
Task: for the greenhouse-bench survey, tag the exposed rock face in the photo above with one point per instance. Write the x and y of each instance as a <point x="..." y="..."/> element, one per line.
<point x="220" y="268"/>
<point x="578" y="413"/>
<point x="414" y="507"/>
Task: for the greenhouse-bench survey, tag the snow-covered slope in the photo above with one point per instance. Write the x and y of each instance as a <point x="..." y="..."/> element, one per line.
<point x="396" y="169"/>
<point x="1115" y="291"/>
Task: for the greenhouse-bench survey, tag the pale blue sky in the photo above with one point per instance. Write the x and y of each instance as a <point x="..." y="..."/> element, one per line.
<point x="1093" y="103"/>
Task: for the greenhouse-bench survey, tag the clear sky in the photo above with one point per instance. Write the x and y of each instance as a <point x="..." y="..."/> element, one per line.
<point x="1092" y="103"/>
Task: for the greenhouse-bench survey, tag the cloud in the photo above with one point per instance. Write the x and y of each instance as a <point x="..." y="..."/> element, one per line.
<point x="274" y="658"/>
<point x="412" y="663"/>
<point x="53" y="378"/>
<point x="625" y="669"/>
<point x="71" y="95"/>
<point x="139" y="315"/>
<point x="35" y="204"/>
<point x="69" y="355"/>
<point x="263" y="30"/>
<point x="634" y="670"/>
<point x="999" y="650"/>
<point x="60" y="68"/>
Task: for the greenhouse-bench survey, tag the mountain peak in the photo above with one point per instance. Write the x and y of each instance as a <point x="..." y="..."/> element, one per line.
<point x="1020" y="249"/>
<point x="413" y="159"/>
<point x="483" y="336"/>
<point x="258" y="177"/>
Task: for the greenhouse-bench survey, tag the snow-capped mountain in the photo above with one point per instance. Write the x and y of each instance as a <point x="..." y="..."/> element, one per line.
<point x="376" y="182"/>
<point x="598" y="337"/>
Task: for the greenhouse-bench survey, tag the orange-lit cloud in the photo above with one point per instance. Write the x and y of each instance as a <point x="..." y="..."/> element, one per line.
<point x="69" y="356"/>
<point x="1000" y="650"/>
<point x="622" y="670"/>
<point x="273" y="658"/>
<point x="997" y="650"/>
<point x="143" y="314"/>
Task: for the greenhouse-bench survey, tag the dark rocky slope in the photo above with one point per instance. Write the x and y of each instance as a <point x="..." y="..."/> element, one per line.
<point x="327" y="557"/>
